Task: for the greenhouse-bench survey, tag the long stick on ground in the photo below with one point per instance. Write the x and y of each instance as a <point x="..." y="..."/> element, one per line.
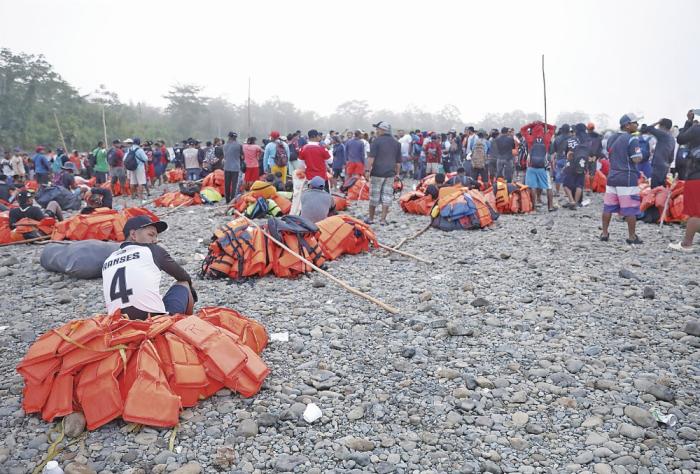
<point x="406" y="239"/>
<point x="27" y="241"/>
<point x="171" y="210"/>
<point x="340" y="282"/>
<point x="401" y="252"/>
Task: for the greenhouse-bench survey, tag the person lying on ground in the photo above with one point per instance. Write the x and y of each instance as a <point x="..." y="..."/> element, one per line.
<point x="316" y="202"/>
<point x="131" y="275"/>
<point x="97" y="198"/>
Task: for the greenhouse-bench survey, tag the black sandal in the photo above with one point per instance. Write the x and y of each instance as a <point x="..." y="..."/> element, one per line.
<point x="604" y="238"/>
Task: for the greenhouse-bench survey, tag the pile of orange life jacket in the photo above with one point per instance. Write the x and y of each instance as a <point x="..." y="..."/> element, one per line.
<point x="238" y="250"/>
<point x="175" y="175"/>
<point x="356" y="188"/>
<point x="176" y="198"/>
<point x="22" y="227"/>
<point x="511" y="198"/>
<point x="463" y="209"/>
<point x="101" y="224"/>
<point x="142" y="371"/>
<point x="215" y="180"/>
<point x="417" y="202"/>
<point x="656" y="197"/>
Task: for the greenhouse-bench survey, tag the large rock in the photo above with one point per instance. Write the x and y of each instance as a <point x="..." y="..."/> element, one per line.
<point x="640" y="416"/>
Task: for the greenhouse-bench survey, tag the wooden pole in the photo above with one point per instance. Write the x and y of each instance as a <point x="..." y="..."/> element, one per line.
<point x="27" y="241"/>
<point x="401" y="252"/>
<point x="104" y="125"/>
<point x="544" y="86"/>
<point x="340" y="282"/>
<point x="171" y="210"/>
<point x="60" y="132"/>
<point x="406" y="239"/>
<point x="248" y="106"/>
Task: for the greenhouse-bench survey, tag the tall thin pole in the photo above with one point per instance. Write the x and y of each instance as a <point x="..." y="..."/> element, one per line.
<point x="104" y="125"/>
<point x="60" y="132"/>
<point x="544" y="85"/>
<point x="249" y="106"/>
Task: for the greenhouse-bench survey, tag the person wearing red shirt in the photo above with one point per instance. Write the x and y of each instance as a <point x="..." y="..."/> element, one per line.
<point x="314" y="157"/>
<point x="433" y="153"/>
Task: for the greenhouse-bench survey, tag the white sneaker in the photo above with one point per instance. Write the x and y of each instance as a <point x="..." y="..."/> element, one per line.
<point x="678" y="246"/>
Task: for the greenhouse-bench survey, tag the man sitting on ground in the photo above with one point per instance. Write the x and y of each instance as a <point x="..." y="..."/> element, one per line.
<point x="461" y="179"/>
<point x="316" y="202"/>
<point x="434" y="189"/>
<point x="27" y="209"/>
<point x="131" y="275"/>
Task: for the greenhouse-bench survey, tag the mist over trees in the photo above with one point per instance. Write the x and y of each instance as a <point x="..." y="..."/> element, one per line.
<point x="31" y="92"/>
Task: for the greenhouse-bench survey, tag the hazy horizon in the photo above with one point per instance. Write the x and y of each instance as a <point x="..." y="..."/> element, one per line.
<point x="477" y="60"/>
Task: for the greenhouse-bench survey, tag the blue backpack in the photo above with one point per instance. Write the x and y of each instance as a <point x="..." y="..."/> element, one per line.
<point x="644" y="146"/>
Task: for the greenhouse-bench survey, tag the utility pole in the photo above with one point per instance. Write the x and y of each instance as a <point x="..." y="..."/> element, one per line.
<point x="248" y="106"/>
<point x="544" y="85"/>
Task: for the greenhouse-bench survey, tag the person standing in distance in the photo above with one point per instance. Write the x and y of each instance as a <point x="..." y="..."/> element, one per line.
<point x="383" y="164"/>
<point x="233" y="155"/>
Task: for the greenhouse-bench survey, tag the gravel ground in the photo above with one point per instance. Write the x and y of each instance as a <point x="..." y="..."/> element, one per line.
<point x="527" y="347"/>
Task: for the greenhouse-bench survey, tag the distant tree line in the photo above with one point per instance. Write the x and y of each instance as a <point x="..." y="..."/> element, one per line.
<point x="33" y="97"/>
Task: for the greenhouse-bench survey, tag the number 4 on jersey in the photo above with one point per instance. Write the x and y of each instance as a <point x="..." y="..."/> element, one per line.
<point x="118" y="289"/>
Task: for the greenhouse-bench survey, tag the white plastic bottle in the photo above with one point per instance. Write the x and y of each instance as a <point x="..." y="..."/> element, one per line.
<point x="52" y="467"/>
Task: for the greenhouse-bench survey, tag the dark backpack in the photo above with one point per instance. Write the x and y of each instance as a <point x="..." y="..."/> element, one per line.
<point x="92" y="159"/>
<point x="112" y="157"/>
<point x="130" y="160"/>
<point x="190" y="188"/>
<point x="293" y="153"/>
<point x="281" y="157"/>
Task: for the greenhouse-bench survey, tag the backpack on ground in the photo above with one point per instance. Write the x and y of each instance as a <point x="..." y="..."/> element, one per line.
<point x="281" y="157"/>
<point x="190" y="188"/>
<point x="130" y="160"/>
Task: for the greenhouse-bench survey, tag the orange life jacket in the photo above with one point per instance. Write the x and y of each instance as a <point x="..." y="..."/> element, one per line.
<point x="143" y="371"/>
<point x="416" y="202"/>
<point x="101" y="224"/>
<point x="359" y="191"/>
<point x="215" y="180"/>
<point x="343" y="234"/>
<point x="176" y="198"/>
<point x="236" y="251"/>
<point x="520" y="200"/>
<point x="175" y="175"/>
<point x="340" y="203"/>
<point x="600" y="182"/>
<point x="26" y="226"/>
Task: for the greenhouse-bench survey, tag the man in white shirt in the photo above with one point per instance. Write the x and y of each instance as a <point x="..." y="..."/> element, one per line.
<point x="131" y="275"/>
<point x="406" y="163"/>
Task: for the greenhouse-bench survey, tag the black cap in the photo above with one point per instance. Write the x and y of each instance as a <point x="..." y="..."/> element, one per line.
<point x="139" y="222"/>
<point x="232" y="134"/>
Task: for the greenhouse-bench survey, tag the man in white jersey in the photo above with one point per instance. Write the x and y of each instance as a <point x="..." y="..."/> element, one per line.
<point x="131" y="275"/>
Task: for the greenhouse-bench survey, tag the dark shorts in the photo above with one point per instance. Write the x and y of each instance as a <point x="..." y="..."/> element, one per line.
<point x="175" y="301"/>
<point x="337" y="172"/>
<point x="573" y="181"/>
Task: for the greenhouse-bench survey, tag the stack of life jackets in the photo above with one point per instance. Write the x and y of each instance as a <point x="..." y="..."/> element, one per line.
<point x="463" y="209"/>
<point x="24" y="228"/>
<point x="142" y="371"/>
<point x="343" y="234"/>
<point x="101" y="224"/>
<point x="654" y="200"/>
<point x="215" y="180"/>
<point x="239" y="251"/>
<point x="175" y="175"/>
<point x="262" y="200"/>
<point x="356" y="188"/>
<point x="416" y="202"/>
<point x="512" y="198"/>
<point x="176" y="198"/>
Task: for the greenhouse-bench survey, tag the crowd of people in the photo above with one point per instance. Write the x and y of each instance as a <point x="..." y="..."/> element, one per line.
<point x="549" y="160"/>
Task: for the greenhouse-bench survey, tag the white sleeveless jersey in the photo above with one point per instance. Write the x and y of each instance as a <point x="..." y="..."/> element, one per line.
<point x="130" y="277"/>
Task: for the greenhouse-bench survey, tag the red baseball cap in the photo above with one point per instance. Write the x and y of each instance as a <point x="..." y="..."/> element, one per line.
<point x="274" y="134"/>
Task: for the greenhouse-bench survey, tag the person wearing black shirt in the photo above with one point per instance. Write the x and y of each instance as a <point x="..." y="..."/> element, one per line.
<point x="505" y="144"/>
<point x="691" y="190"/>
<point x="4" y="188"/>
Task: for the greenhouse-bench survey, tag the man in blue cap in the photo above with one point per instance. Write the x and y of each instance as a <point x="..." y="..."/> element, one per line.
<point x="316" y="202"/>
<point x="622" y="193"/>
<point x="131" y="275"/>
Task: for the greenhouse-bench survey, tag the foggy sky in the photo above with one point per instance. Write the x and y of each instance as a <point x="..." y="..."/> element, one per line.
<point x="601" y="57"/>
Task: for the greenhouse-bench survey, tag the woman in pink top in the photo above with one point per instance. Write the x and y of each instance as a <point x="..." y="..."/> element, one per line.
<point x="251" y="155"/>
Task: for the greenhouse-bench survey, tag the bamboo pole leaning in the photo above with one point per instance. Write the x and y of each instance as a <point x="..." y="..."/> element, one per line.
<point x="336" y="280"/>
<point x="27" y="241"/>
